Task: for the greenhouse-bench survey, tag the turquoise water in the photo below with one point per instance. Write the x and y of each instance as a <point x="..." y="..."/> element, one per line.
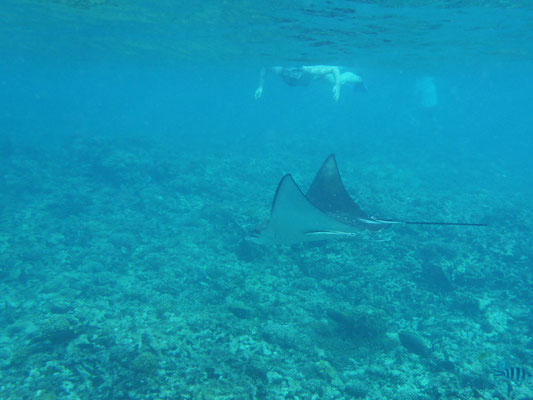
<point x="134" y="160"/>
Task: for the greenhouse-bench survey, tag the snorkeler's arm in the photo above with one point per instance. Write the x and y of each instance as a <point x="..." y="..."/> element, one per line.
<point x="331" y="73"/>
<point x="336" y="82"/>
<point x="262" y="74"/>
<point x="259" y="90"/>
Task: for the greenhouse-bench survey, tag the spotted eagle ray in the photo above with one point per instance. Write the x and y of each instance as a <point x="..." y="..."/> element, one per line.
<point x="326" y="211"/>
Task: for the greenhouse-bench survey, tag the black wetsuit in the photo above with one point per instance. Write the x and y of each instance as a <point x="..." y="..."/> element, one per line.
<point x="296" y="76"/>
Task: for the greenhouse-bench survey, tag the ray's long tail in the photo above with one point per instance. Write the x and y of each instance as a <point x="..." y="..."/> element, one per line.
<point x="396" y="221"/>
<point x="441" y="223"/>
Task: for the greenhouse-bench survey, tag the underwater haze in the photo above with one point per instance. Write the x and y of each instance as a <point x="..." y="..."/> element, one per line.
<point x="137" y="154"/>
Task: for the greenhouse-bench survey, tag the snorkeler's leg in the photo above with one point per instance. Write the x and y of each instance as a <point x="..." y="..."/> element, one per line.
<point x="353" y="80"/>
<point x="350" y="77"/>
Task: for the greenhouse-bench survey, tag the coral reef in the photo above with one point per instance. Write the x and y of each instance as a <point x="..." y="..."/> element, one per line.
<point x="57" y="329"/>
<point x="124" y="276"/>
<point x="145" y="363"/>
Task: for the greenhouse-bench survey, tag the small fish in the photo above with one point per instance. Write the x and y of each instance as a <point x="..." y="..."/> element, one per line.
<point x="413" y="343"/>
<point x="514" y="374"/>
<point x="202" y="277"/>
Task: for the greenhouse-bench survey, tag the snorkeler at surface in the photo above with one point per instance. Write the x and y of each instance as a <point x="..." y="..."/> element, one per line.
<point x="302" y="76"/>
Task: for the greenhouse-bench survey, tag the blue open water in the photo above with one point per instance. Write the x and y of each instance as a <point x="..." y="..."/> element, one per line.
<point x="134" y="159"/>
